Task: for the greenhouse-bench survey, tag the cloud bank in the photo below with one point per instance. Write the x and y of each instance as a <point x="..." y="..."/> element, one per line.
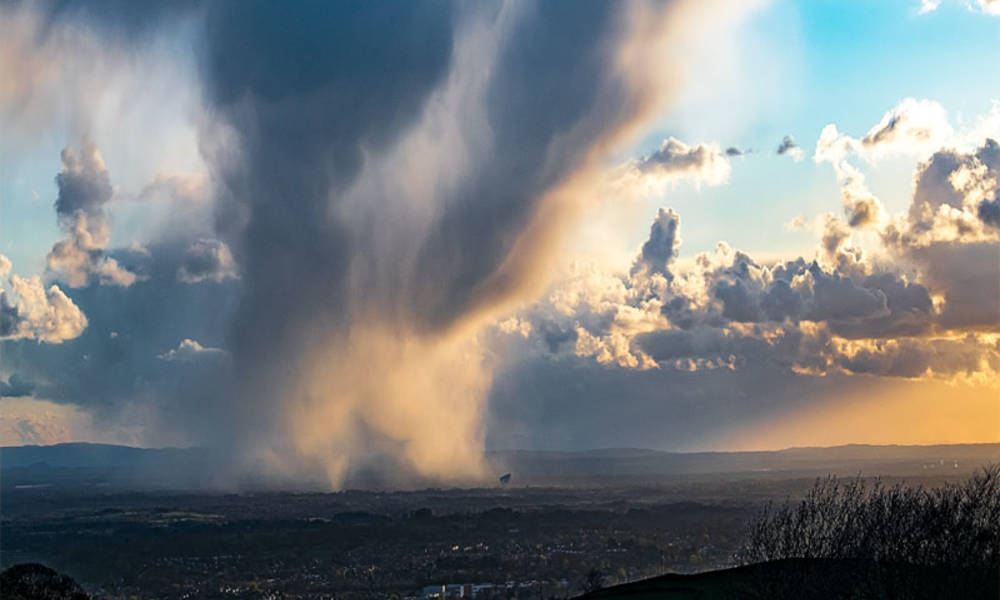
<point x="923" y="304"/>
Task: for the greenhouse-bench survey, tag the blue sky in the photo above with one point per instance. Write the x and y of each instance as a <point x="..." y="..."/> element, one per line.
<point x="844" y="62"/>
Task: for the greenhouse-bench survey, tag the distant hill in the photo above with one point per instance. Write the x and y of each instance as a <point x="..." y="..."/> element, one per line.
<point x="633" y="464"/>
<point x="83" y="455"/>
<point x="187" y="468"/>
<point x="83" y="463"/>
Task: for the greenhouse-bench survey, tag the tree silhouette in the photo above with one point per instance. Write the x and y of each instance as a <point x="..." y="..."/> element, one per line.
<point x="872" y="540"/>
<point x="32" y="581"/>
<point x="593" y="580"/>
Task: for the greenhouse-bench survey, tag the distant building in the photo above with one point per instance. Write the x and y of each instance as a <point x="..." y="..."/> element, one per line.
<point x="455" y="590"/>
<point x="458" y="590"/>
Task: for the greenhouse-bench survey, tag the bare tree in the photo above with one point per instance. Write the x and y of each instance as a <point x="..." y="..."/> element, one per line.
<point x="885" y="542"/>
<point x="593" y="580"/>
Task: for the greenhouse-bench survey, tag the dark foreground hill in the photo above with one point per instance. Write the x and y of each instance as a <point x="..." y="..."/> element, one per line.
<point x="802" y="579"/>
<point x="33" y="581"/>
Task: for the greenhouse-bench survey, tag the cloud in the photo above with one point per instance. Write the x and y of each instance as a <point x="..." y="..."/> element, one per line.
<point x="936" y="278"/>
<point x="989" y="7"/>
<point x="661" y="247"/>
<point x="915" y="127"/>
<point x="675" y="159"/>
<point x="920" y="304"/>
<point x="837" y="298"/>
<point x="835" y="235"/>
<point x="790" y="148"/>
<point x="15" y="387"/>
<point x="967" y="275"/>
<point x="207" y="260"/>
<point x="29" y="311"/>
<point x="986" y="7"/>
<point x="190" y="351"/>
<point x="927" y="6"/>
<point x="989" y="212"/>
<point x="912" y="358"/>
<point x="111" y="370"/>
<point x="25" y="420"/>
<point x="951" y="188"/>
<point x="185" y="188"/>
<point x="912" y="125"/>
<point x="950" y="239"/>
<point x="727" y="311"/>
<point x="797" y="223"/>
<point x="84" y="189"/>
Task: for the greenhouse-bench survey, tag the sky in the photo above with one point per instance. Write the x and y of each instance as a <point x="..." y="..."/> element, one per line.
<point x="351" y="237"/>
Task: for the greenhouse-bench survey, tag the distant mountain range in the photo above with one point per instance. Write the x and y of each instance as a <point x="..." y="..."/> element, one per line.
<point x="634" y="464"/>
<point x="97" y="464"/>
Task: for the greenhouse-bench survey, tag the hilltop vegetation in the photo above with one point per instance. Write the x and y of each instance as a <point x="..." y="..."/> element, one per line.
<point x="32" y="581"/>
<point x="859" y="540"/>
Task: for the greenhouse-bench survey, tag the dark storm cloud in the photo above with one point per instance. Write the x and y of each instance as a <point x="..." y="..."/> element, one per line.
<point x="84" y="184"/>
<point x="787" y="146"/>
<point x="935" y="186"/>
<point x="336" y="249"/>
<point x="837" y="298"/>
<point x="84" y="188"/>
<point x="914" y="357"/>
<point x="781" y="302"/>
<point x="661" y="248"/>
<point x="910" y="310"/>
<point x="989" y="212"/>
<point x="968" y="275"/>
<point x="563" y="53"/>
<point x="989" y="155"/>
<point x="16" y="387"/>
<point x="307" y="90"/>
<point x="207" y="260"/>
<point x="950" y="234"/>
<point x="302" y="110"/>
<point x="882" y="304"/>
